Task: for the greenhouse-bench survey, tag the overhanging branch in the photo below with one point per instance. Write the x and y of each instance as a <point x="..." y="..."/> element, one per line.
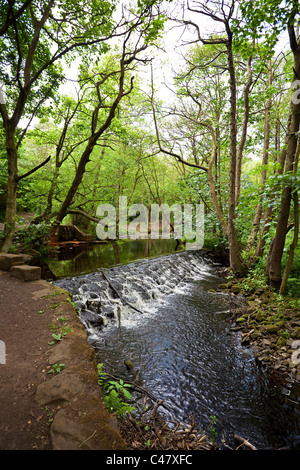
<point x="33" y="170"/>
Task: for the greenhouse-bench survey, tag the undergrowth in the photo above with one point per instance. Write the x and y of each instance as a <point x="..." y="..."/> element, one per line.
<point x="116" y="394"/>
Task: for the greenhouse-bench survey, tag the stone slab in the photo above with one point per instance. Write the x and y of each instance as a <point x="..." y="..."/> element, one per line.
<point x="82" y="422"/>
<point x="7" y="260"/>
<point x="26" y="273"/>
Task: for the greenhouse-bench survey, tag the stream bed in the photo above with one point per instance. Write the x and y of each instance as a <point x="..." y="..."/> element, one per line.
<point x="163" y="314"/>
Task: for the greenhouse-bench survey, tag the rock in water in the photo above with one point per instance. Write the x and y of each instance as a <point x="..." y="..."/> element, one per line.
<point x="128" y="364"/>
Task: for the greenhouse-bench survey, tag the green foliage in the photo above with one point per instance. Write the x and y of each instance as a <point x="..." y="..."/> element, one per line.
<point x="56" y="368"/>
<point x="115" y="394"/>
<point x="255" y="278"/>
<point x="212" y="428"/>
<point x="266" y="19"/>
<point x="33" y="237"/>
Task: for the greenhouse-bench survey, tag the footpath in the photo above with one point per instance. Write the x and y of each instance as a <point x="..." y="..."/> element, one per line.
<point x="50" y="398"/>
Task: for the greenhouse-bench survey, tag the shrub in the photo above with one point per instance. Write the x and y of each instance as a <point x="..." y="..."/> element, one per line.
<point x="115" y="393"/>
<point x="33" y="237"/>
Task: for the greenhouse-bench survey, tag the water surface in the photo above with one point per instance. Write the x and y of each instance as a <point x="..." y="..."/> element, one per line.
<point x="164" y="315"/>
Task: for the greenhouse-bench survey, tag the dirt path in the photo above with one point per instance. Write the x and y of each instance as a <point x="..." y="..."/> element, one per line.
<point x="38" y="409"/>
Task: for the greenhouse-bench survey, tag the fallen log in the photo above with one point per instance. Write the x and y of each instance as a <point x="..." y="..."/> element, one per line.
<point x="118" y="295"/>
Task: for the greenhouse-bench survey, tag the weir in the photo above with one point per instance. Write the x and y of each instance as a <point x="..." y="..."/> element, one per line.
<point x="167" y="317"/>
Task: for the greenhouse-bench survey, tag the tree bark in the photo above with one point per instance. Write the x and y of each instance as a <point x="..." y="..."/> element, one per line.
<point x="283" y="285"/>
<point x="12" y="184"/>
<point x="293" y="245"/>
<point x="236" y="263"/>
<point x="244" y="131"/>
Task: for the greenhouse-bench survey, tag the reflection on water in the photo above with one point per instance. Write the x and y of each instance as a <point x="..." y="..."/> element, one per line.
<point x="76" y="259"/>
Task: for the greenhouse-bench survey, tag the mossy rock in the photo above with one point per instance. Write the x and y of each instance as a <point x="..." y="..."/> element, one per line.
<point x="292" y="365"/>
<point x="270" y="319"/>
<point x="296" y="333"/>
<point x="259" y="316"/>
<point x="235" y="289"/>
<point x="128" y="364"/>
<point x="273" y="328"/>
<point x="224" y="286"/>
<point x="281" y="342"/>
<point x="256" y="334"/>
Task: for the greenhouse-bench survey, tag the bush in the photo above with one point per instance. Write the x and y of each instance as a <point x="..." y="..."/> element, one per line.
<point x="293" y="286"/>
<point x="33" y="237"/>
<point x="115" y="393"/>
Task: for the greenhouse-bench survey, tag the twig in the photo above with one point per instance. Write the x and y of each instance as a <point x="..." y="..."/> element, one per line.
<point x="160" y="403"/>
<point x="246" y="336"/>
<point x="244" y="442"/>
<point x="87" y="439"/>
<point x="140" y="389"/>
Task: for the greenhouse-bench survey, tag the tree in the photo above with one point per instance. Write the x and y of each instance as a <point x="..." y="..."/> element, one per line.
<point x="222" y="14"/>
<point x="142" y="32"/>
<point x="35" y="38"/>
<point x="272" y="100"/>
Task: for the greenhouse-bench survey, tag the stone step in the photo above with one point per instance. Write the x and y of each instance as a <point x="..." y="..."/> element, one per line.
<point x="26" y="273"/>
<point x="8" y="260"/>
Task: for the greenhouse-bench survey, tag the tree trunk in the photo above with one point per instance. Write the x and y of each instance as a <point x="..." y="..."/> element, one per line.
<point x="244" y="132"/>
<point x="211" y="184"/>
<point x="12" y="184"/>
<point x="269" y="212"/>
<point x="236" y="263"/>
<point x="283" y="285"/>
<point x="74" y="186"/>
<point x="293" y="245"/>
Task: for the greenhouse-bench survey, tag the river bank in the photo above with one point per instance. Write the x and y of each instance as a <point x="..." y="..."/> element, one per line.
<point x="50" y="398"/>
<point x="270" y="325"/>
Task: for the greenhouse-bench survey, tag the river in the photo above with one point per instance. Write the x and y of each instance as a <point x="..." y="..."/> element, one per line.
<point x="163" y="313"/>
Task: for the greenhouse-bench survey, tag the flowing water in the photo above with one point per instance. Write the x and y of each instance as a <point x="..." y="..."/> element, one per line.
<point x="165" y="316"/>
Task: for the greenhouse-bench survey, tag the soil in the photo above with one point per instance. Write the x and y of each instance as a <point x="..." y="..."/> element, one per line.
<point x="23" y="424"/>
<point x="41" y="408"/>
